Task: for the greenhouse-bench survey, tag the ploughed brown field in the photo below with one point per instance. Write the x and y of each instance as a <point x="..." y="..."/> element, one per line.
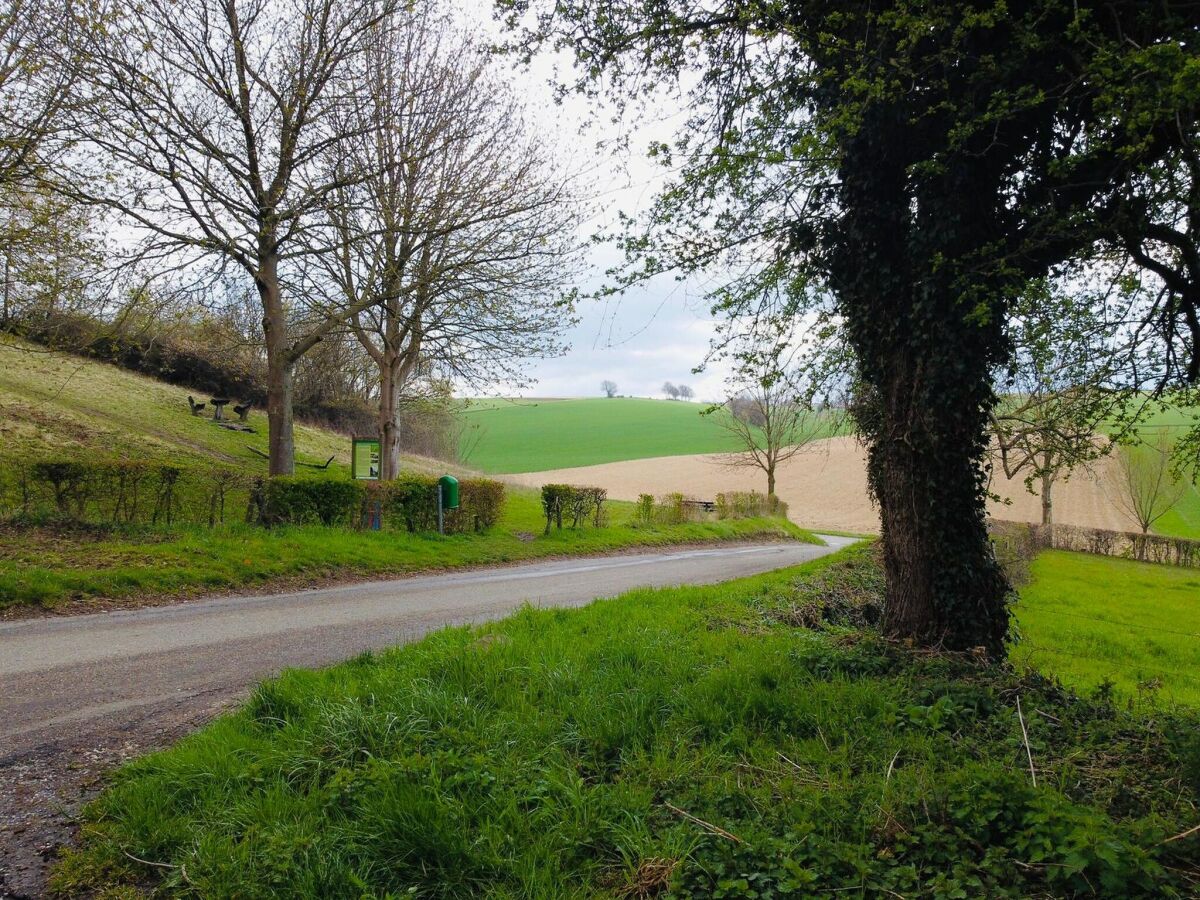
<point x="826" y="487"/>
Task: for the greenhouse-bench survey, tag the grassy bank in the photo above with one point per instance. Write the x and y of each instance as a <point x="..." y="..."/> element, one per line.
<point x="56" y="566"/>
<point x="1093" y="619"/>
<point x="54" y="405"/>
<point x="728" y="741"/>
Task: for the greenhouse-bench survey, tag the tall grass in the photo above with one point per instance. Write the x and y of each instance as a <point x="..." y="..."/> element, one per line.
<point x="1095" y="620"/>
<point x="695" y="740"/>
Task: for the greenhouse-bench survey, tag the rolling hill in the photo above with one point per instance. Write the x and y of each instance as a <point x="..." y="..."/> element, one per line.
<point x="534" y="435"/>
<point x="54" y="404"/>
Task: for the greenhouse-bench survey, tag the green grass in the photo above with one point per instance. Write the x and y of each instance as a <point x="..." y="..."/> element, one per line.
<point x="536" y="435"/>
<point x="53" y="566"/>
<point x="58" y="405"/>
<point x="692" y="739"/>
<point x="1092" y="619"/>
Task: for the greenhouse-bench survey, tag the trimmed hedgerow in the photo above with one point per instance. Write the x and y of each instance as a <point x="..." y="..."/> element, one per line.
<point x="578" y="502"/>
<point x="748" y="505"/>
<point x="410" y="502"/>
<point x="119" y="492"/>
<point x="124" y="492"/>
<point x="293" y="500"/>
<point x="481" y="503"/>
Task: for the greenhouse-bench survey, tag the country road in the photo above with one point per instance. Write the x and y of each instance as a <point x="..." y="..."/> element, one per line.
<point x="79" y="694"/>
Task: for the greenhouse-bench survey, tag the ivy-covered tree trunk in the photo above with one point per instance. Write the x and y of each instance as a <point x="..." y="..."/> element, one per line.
<point x="926" y="348"/>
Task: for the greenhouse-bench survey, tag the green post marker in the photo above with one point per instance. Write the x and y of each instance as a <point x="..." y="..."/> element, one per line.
<point x="447" y="498"/>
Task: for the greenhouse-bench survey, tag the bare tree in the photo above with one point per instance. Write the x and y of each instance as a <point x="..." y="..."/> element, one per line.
<point x="1067" y="383"/>
<point x="685" y="392"/>
<point x="211" y="121"/>
<point x="1146" y="488"/>
<point x="454" y="248"/>
<point x="670" y="390"/>
<point x="609" y="388"/>
<point x="772" y="420"/>
<point x="35" y="81"/>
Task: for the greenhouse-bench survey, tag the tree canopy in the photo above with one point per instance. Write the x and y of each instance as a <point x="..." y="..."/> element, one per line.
<point x="906" y="171"/>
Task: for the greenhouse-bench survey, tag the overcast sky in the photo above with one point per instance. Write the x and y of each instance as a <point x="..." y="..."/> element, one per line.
<point x="658" y="332"/>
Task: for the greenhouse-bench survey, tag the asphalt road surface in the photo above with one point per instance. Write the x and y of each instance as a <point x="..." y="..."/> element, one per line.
<point x="81" y="693"/>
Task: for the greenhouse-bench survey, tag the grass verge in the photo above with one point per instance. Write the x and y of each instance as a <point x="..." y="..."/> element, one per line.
<point x="742" y="740"/>
<point x="1094" y="620"/>
<point x="54" y="566"/>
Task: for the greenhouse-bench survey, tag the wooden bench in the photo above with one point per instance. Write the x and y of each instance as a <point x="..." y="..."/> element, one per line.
<point x="705" y="505"/>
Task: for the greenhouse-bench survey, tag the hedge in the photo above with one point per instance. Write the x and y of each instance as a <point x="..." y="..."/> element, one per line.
<point x="748" y="505"/>
<point x="119" y="492"/>
<point x="1018" y="542"/>
<point x="411" y="502"/>
<point x="296" y="500"/>
<point x="579" y="502"/>
<point x="669" y="509"/>
<point x="122" y="492"/>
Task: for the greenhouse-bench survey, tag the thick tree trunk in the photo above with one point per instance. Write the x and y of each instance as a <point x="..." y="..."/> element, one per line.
<point x="944" y="587"/>
<point x="281" y="448"/>
<point x="925" y="348"/>
<point x="771" y="480"/>
<point x="389" y="420"/>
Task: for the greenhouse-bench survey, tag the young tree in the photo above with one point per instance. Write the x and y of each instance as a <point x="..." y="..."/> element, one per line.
<point x="771" y="420"/>
<point x="1146" y="489"/>
<point x="1066" y="382"/>
<point x="609" y="388"/>
<point x="209" y="123"/>
<point x="670" y="390"/>
<point x="455" y="245"/>
<point x="685" y="392"/>
<point x="921" y="164"/>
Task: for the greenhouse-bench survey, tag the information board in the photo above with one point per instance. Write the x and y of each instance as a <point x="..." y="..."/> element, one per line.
<point x="364" y="459"/>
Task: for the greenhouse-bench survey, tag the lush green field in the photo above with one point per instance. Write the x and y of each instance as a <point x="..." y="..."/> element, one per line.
<point x="57" y="566"/>
<point x="1092" y="619"/>
<point x="536" y="435"/>
<point x="696" y="740"/>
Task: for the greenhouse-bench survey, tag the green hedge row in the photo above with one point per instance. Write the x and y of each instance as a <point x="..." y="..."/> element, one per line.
<point x="675" y="509"/>
<point x="579" y="503"/>
<point x="120" y="492"/>
<point x="748" y="505"/>
<point x="409" y="503"/>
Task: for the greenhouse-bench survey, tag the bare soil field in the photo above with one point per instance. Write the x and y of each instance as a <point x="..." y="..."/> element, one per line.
<point x="826" y="487"/>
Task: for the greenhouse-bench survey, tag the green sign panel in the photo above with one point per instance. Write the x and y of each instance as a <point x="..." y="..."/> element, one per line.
<point x="364" y="459"/>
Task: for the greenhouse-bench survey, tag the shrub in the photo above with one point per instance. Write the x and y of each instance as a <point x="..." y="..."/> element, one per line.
<point x="1018" y="541"/>
<point x="645" y="509"/>
<point x="579" y="502"/>
<point x="292" y="500"/>
<point x="411" y="501"/>
<point x="119" y="492"/>
<point x="481" y="503"/>
<point x="70" y="482"/>
<point x="748" y="504"/>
